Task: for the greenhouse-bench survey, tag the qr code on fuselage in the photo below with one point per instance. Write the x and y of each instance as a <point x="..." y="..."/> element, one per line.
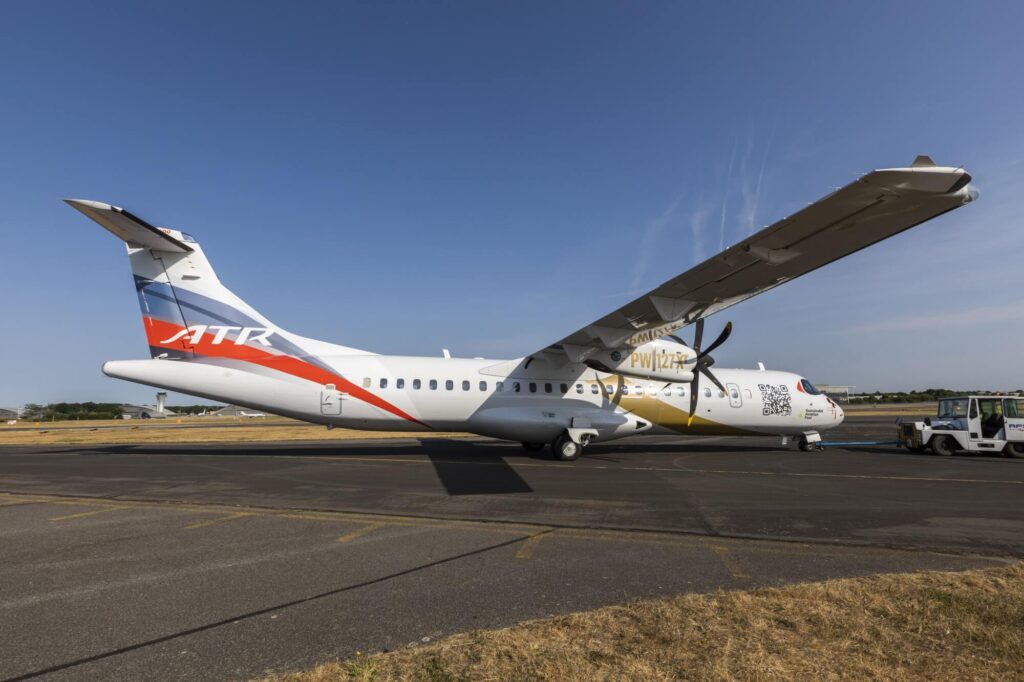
<point x="776" y="400"/>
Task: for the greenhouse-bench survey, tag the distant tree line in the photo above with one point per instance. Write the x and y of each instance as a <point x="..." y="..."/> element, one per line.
<point x="926" y="396"/>
<point x="90" y="410"/>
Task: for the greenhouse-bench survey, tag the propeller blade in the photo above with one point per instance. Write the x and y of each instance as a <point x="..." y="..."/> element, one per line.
<point x="694" y="388"/>
<point x="720" y="340"/>
<point x="698" y="334"/>
<point x="707" y="372"/>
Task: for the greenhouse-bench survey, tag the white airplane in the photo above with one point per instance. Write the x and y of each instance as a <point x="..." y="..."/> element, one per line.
<point x="625" y="374"/>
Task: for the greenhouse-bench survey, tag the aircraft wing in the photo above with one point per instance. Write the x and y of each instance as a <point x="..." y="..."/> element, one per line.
<point x="135" y="231"/>
<point x="872" y="208"/>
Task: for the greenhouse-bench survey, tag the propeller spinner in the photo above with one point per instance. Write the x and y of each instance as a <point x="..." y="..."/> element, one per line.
<point x="704" y="361"/>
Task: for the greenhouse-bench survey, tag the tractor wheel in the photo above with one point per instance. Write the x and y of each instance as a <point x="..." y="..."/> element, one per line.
<point x="944" y="446"/>
<point x="1014" y="450"/>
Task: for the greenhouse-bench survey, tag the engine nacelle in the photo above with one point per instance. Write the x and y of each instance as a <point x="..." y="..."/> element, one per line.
<point x="659" y="360"/>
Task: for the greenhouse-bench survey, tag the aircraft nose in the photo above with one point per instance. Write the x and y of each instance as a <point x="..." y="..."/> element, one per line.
<point x="840" y="415"/>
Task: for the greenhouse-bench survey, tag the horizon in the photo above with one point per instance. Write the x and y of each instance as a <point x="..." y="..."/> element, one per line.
<point x="471" y="177"/>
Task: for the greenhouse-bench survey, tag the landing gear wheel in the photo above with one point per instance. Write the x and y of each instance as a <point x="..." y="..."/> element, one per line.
<point x="533" y="447"/>
<point x="944" y="446"/>
<point x="804" y="444"/>
<point x="1014" y="450"/>
<point x="565" y="449"/>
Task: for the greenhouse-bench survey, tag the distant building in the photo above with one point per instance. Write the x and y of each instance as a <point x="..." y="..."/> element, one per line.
<point x="7" y="413"/>
<point x="145" y="412"/>
<point x="236" y="411"/>
<point x="840" y="394"/>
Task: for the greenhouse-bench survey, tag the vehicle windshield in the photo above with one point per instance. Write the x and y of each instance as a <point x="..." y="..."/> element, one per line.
<point x="953" y="408"/>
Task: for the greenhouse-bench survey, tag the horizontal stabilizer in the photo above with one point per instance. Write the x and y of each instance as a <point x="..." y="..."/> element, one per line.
<point x="133" y="230"/>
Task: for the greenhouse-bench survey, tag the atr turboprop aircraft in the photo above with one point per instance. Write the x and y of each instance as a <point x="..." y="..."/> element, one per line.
<point x="625" y="374"/>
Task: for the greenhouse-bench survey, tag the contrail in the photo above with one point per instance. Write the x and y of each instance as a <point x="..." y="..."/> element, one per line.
<point x="725" y="200"/>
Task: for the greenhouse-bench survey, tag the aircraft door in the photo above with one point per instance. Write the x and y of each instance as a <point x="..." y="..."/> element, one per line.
<point x="735" y="398"/>
<point x="330" y="401"/>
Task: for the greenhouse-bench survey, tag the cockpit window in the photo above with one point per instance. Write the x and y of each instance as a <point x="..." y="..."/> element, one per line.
<point x="186" y="237"/>
<point x="809" y="387"/>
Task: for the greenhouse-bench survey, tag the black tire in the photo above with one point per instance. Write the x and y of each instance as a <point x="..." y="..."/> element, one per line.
<point x="944" y="446"/>
<point x="1014" y="450"/>
<point x="533" y="447"/>
<point x="804" y="444"/>
<point x="565" y="449"/>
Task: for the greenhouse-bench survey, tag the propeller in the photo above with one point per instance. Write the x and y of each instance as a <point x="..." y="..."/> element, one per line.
<point x="704" y="361"/>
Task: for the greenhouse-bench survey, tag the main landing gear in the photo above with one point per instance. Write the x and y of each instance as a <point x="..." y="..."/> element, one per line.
<point x="566" y="449"/>
<point x="569" y="445"/>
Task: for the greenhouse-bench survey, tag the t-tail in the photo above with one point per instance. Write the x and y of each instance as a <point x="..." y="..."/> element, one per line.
<point x="186" y="311"/>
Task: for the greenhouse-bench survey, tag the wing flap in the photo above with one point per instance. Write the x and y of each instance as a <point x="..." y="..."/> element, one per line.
<point x="131" y="229"/>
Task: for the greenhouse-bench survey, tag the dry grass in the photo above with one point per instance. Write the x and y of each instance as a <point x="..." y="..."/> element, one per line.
<point x="186" y="430"/>
<point x="923" y="626"/>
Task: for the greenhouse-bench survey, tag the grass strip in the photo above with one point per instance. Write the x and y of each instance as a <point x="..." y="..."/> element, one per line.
<point x="916" y="626"/>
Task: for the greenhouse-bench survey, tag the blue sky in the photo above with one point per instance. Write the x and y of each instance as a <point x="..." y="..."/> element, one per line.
<point x="487" y="177"/>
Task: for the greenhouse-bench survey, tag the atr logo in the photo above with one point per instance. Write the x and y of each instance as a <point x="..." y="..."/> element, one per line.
<point x="194" y="333"/>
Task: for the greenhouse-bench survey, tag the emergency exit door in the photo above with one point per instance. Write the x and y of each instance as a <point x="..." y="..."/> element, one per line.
<point x="330" y="400"/>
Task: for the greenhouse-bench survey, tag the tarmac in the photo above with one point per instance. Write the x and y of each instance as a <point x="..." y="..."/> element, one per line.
<point x="226" y="562"/>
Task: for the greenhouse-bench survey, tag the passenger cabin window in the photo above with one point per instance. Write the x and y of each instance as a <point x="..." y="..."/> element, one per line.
<point x="680" y="391"/>
<point x="594" y="389"/>
<point x="533" y="387"/>
<point x="564" y="388"/>
<point x="707" y="392"/>
<point x="734" y="394"/>
<point x="625" y="390"/>
<point x="433" y="384"/>
<point x="449" y="384"/>
<point x="483" y="385"/>
<point x="367" y="382"/>
<point x="416" y="384"/>
<point x="668" y="391"/>
<point x="547" y="388"/>
<point x="609" y="389"/>
<point x="399" y="383"/>
<point x="515" y="387"/>
<point x="383" y="383"/>
<point x="721" y="394"/>
<point x="465" y="385"/>
<point x="579" y="388"/>
<point x="499" y="386"/>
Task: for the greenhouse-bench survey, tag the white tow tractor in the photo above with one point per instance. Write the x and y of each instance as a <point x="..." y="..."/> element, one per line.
<point x="989" y="424"/>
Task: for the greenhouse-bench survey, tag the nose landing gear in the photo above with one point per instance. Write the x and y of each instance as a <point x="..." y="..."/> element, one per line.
<point x="809" y="442"/>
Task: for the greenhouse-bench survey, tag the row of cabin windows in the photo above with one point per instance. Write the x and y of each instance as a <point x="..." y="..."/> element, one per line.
<point x="517" y="387"/>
